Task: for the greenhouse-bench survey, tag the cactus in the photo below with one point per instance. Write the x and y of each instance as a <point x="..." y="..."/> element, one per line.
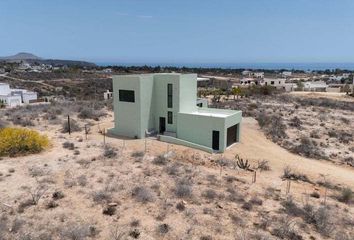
<point x="243" y="164"/>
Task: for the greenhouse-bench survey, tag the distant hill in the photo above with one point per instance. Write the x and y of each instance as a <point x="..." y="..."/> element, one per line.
<point x="31" y="58"/>
<point x="21" y="56"/>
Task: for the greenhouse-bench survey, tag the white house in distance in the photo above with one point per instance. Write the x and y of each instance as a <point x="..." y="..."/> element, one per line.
<point x="258" y="74"/>
<point x="318" y="86"/>
<point x="279" y="83"/>
<point x="286" y="74"/>
<point x="16" y="97"/>
<point x="107" y="95"/>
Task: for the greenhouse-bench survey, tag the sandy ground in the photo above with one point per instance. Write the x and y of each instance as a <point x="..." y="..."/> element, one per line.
<point x="126" y="172"/>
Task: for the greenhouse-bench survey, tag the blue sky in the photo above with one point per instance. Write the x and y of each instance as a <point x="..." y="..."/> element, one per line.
<point x="175" y="31"/>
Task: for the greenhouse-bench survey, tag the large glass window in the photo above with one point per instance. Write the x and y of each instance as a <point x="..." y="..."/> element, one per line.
<point x="169" y="95"/>
<point x="169" y="118"/>
<point x="126" y="96"/>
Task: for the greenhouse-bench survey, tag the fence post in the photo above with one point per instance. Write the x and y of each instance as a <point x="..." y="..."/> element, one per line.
<point x="288" y="187"/>
<point x="86" y="131"/>
<point x="69" y="128"/>
<point x="104" y="136"/>
<point x="254" y="179"/>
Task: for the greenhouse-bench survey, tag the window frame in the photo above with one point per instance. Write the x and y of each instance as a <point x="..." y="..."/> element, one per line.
<point x="170" y="117"/>
<point x="169" y="95"/>
<point x="126" y="98"/>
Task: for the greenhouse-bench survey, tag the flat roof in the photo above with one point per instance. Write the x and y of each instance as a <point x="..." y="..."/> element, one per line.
<point x="213" y="112"/>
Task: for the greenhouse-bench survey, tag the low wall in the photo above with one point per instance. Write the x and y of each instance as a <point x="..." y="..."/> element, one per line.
<point x="178" y="141"/>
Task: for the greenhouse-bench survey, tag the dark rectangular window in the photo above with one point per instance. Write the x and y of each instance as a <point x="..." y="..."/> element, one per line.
<point x="169" y="96"/>
<point x="126" y="96"/>
<point x="169" y="118"/>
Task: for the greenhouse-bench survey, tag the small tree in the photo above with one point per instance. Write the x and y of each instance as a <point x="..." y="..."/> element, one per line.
<point x="236" y="92"/>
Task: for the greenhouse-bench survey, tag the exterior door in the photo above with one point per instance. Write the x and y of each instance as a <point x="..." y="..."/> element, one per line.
<point x="216" y="136"/>
<point x="232" y="135"/>
<point x="162" y="125"/>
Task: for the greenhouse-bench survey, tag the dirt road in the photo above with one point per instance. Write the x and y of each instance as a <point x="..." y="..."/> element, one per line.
<point x="254" y="145"/>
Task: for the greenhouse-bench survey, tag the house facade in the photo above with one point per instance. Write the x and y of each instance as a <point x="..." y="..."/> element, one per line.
<point x="16" y="97"/>
<point x="167" y="104"/>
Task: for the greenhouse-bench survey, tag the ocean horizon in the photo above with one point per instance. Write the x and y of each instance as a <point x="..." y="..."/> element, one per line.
<point x="265" y="66"/>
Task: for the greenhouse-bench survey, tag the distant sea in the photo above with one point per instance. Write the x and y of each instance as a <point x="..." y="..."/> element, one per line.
<point x="266" y="66"/>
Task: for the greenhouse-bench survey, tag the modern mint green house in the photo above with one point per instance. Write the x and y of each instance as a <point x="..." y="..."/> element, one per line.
<point x="166" y="103"/>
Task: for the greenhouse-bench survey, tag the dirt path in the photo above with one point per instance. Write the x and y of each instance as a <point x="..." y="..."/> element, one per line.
<point x="255" y="146"/>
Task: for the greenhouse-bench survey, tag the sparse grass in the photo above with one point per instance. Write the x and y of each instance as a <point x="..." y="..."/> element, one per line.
<point x="143" y="194"/>
<point x="74" y="126"/>
<point x="101" y="196"/>
<point x="183" y="189"/>
<point x="69" y="145"/>
<point x="291" y="174"/>
<point x="160" y="160"/>
<point x="346" y="195"/>
<point x="263" y="165"/>
<point x="109" y="151"/>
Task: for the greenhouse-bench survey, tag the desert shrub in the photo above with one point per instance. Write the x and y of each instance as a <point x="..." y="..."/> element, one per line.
<point x="247" y="206"/>
<point x="160" y="160"/>
<point x="180" y="206"/>
<point x="291" y="208"/>
<point x="273" y="125"/>
<point x="172" y="169"/>
<point x="58" y="195"/>
<point x="109" y="210"/>
<point x="82" y="180"/>
<point x="89" y="113"/>
<point x="209" y="194"/>
<point x="74" y="126"/>
<point x="143" y="194"/>
<point x="21" y="121"/>
<point x="319" y="217"/>
<point x="101" y="196"/>
<point x="69" y="145"/>
<point x="308" y="148"/>
<point x="291" y="174"/>
<point x="3" y="124"/>
<point x="51" y="204"/>
<point x="138" y="154"/>
<point x="20" y="141"/>
<point x="256" y="201"/>
<point x="163" y="228"/>
<point x="286" y="229"/>
<point x="295" y="122"/>
<point x="349" y="161"/>
<point x="263" y="165"/>
<point x="109" y="151"/>
<point x="315" y="134"/>
<point x="206" y="237"/>
<point x="183" y="189"/>
<point x="75" y="231"/>
<point x="346" y="195"/>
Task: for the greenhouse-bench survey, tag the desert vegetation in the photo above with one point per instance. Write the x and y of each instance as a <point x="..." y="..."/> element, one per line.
<point x="91" y="187"/>
<point x="318" y="128"/>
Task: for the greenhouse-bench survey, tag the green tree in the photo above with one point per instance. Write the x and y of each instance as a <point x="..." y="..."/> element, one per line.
<point x="236" y="92"/>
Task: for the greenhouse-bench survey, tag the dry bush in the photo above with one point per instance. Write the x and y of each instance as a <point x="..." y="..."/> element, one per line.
<point x="101" y="196"/>
<point x="346" y="195"/>
<point x="286" y="229"/>
<point x="289" y="173"/>
<point x="69" y="145"/>
<point x="296" y="122"/>
<point x="20" y="141"/>
<point x="308" y="148"/>
<point x="209" y="194"/>
<point x="58" y="195"/>
<point x="90" y="113"/>
<point x="76" y="231"/>
<point x="160" y="160"/>
<point x="143" y="194"/>
<point x="273" y="125"/>
<point x="74" y="126"/>
<point x="109" y="151"/>
<point x="183" y="188"/>
<point x="3" y="124"/>
<point x="263" y="165"/>
<point x="163" y="228"/>
<point x="138" y="154"/>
